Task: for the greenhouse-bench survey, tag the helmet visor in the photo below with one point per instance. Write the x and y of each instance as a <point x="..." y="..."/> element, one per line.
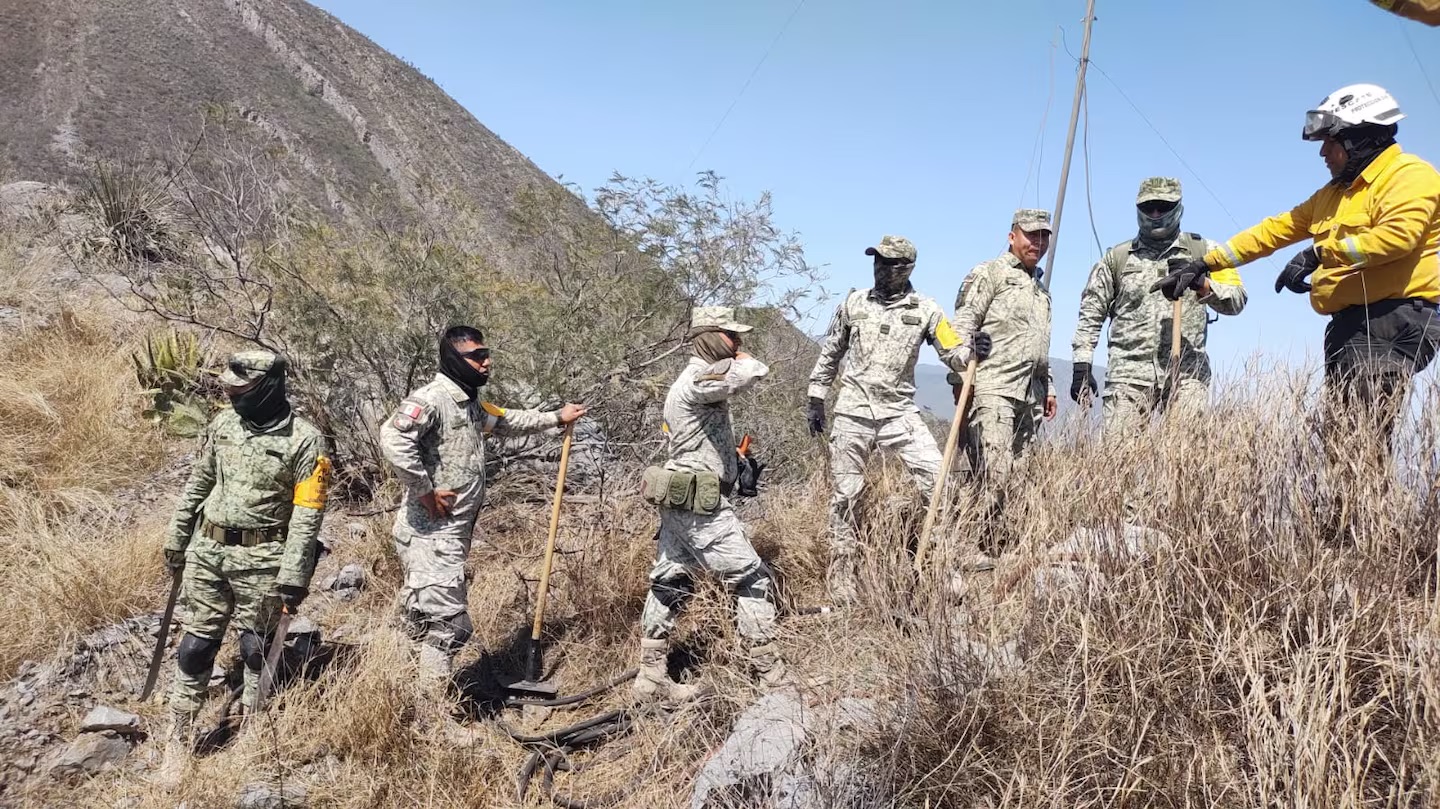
<point x="1319" y="125"/>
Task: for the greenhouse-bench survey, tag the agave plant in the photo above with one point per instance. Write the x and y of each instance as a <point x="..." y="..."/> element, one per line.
<point x="171" y="375"/>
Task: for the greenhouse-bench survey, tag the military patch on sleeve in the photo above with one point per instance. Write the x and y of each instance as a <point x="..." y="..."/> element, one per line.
<point x="411" y="411"/>
<point x="408" y="416"/>
<point x="313" y="491"/>
<point x="945" y="335"/>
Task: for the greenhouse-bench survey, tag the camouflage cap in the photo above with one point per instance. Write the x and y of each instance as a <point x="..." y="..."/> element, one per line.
<point x="716" y="317"/>
<point x="1031" y="220"/>
<point x="1164" y="189"/>
<point x="893" y="247"/>
<point x="247" y="367"/>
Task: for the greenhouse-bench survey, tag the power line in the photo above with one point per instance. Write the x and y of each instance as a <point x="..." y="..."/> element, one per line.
<point x="746" y="85"/>
<point x="1089" y="201"/>
<point x="1182" y="160"/>
<point x="1405" y="32"/>
<point x="1039" y="147"/>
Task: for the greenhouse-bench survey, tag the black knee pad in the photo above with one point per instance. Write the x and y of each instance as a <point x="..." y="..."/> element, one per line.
<point x="196" y="656"/>
<point x="459" y="628"/>
<point x="755" y="584"/>
<point x="673" y="593"/>
<point x="252" y="650"/>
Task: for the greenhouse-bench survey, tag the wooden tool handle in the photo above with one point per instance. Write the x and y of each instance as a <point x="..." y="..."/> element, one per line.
<point x="951" y="441"/>
<point x="554" y="529"/>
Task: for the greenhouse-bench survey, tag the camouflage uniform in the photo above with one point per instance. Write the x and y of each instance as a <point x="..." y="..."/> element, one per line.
<point x="1006" y="301"/>
<point x="700" y="439"/>
<point x="876" y="406"/>
<point x="1137" y="381"/>
<point x="248" y="522"/>
<point x="435" y="440"/>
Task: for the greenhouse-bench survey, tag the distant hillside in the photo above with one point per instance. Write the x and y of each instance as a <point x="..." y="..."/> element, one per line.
<point x="130" y="78"/>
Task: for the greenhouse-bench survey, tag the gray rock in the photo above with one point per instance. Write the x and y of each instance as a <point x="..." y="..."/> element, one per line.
<point x="351" y="577"/>
<point x="765" y="741"/>
<point x="264" y="796"/>
<point x="25" y="763"/>
<point x="103" y="717"/>
<point x="90" y="754"/>
<point x="300" y="625"/>
<point x="107" y="637"/>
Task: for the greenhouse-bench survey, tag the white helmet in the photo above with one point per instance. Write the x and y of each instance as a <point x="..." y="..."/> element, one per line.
<point x="1350" y="106"/>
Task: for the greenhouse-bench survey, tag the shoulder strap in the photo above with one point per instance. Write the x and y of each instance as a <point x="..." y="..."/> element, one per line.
<point x="1116" y="257"/>
<point x="1193" y="243"/>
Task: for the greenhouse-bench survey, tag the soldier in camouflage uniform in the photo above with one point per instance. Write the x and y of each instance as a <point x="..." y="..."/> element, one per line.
<point x="245" y="533"/>
<point x="1004" y="306"/>
<point x="1138" y="380"/>
<point x="879" y="332"/>
<point x="435" y="443"/>
<point x="699" y="529"/>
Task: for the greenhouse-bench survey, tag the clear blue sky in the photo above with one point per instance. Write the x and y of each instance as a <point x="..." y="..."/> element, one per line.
<point x="920" y="118"/>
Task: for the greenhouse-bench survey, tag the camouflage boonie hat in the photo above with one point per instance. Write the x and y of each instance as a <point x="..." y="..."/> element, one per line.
<point x="716" y="317"/>
<point x="1031" y="220"/>
<point x="893" y="247"/>
<point x="247" y="367"/>
<point x="1164" y="189"/>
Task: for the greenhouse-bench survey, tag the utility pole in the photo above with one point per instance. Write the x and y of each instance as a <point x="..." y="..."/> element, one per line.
<point x="1069" y="144"/>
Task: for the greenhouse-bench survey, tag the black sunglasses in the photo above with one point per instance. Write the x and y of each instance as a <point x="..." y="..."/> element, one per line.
<point x="886" y="261"/>
<point x="477" y="354"/>
<point x="1156" y="207"/>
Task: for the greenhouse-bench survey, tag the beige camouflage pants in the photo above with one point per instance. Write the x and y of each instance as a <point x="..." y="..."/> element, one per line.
<point x="434" y="594"/>
<point x="998" y="430"/>
<point x="224" y="585"/>
<point x="852" y="441"/>
<point x="690" y="544"/>
<point x="1128" y="408"/>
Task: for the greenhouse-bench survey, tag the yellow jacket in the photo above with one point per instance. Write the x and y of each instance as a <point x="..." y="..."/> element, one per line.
<point x="1426" y="11"/>
<point x="1376" y="239"/>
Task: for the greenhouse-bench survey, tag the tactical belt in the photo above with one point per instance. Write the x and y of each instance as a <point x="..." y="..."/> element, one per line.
<point x="245" y="537"/>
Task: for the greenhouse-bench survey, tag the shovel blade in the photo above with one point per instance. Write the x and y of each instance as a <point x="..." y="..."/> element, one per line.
<point x="534" y="688"/>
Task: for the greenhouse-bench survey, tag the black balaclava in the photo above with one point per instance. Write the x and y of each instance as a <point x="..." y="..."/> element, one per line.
<point x="1362" y="145"/>
<point x="711" y="346"/>
<point x="892" y="281"/>
<point x="263" y="405"/>
<point x="1159" y="231"/>
<point x="459" y="370"/>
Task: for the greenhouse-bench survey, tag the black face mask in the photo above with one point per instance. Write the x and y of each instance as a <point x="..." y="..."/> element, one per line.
<point x="1362" y="145"/>
<point x="462" y="373"/>
<point x="892" y="281"/>
<point x="263" y="405"/>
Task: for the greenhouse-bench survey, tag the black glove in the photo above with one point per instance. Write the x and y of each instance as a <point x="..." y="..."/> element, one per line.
<point x="1300" y="267"/>
<point x="815" y="415"/>
<point x="983" y="344"/>
<point x="175" y="560"/>
<point x="1185" y="273"/>
<point x="750" y="469"/>
<point x="1084" y="378"/>
<point x="291" y="596"/>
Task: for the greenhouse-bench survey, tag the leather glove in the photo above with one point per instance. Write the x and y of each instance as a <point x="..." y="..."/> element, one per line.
<point x="1185" y="273"/>
<point x="175" y="560"/>
<point x="1300" y="267"/>
<point x="749" y="483"/>
<point x="291" y="596"/>
<point x="815" y="415"/>
<point x="1084" y="378"/>
<point x="983" y="344"/>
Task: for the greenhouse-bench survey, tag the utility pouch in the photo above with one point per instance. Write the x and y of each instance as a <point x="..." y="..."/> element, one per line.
<point x="655" y="485"/>
<point x="681" y="490"/>
<point x="707" y="493"/>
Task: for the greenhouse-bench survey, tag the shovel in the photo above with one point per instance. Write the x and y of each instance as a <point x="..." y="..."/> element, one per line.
<point x="951" y="441"/>
<point x="533" y="685"/>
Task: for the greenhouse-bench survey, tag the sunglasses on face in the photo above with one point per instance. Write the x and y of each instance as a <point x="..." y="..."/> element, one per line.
<point x="1156" y="208"/>
<point x="476" y="354"/>
<point x="892" y="262"/>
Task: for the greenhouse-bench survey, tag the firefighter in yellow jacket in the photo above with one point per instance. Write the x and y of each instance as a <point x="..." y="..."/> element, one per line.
<point x="1371" y="267"/>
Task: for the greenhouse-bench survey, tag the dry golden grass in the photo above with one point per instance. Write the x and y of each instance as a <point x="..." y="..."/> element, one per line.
<point x="72" y="555"/>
